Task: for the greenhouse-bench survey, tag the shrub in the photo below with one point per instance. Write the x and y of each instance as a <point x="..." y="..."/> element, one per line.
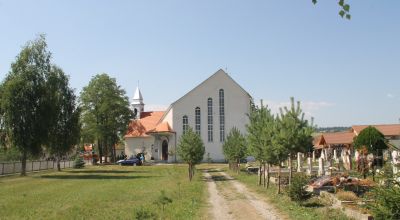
<point x="297" y="189"/>
<point x="79" y="163"/>
<point x="386" y="205"/>
<point x="145" y="214"/>
<point x="347" y="196"/>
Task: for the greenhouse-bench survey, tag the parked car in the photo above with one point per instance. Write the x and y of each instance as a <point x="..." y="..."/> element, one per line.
<point x="133" y="161"/>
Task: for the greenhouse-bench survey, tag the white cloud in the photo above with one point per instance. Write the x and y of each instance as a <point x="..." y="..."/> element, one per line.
<point x="390" y="95"/>
<point x="155" y="107"/>
<point x="309" y="107"/>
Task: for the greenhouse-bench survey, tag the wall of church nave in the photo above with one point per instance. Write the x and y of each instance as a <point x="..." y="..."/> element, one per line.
<point x="134" y="146"/>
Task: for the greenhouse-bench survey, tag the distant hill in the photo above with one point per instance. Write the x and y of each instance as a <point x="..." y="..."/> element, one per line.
<point x="332" y="129"/>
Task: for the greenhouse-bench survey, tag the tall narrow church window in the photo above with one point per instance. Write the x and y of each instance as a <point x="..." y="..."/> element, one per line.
<point x="210" y="120"/>
<point x="185" y="123"/>
<point x="197" y="120"/>
<point x="221" y="116"/>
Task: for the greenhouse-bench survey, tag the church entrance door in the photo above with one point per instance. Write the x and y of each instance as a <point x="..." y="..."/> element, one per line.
<point x="164" y="150"/>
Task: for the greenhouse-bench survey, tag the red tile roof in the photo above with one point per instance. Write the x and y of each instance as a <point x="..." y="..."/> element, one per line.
<point x="147" y="122"/>
<point x="387" y="130"/>
<point x="161" y="128"/>
<point x="334" y="139"/>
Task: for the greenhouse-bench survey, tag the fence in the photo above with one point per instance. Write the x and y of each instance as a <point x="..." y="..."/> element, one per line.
<point x="8" y="168"/>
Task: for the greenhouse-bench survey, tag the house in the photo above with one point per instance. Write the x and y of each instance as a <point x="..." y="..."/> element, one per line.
<point x="212" y="108"/>
<point x="331" y="145"/>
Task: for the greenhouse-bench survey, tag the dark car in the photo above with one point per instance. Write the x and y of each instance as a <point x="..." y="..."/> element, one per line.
<point x="131" y="161"/>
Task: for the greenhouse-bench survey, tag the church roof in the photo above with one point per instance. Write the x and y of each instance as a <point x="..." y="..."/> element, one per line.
<point x="148" y="121"/>
<point x="220" y="71"/>
<point x="162" y="128"/>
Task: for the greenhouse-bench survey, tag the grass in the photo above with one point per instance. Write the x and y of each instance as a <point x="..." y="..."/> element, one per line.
<point x="311" y="210"/>
<point x="102" y="192"/>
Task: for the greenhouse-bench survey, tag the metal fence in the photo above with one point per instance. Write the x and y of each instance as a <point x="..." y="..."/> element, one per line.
<point x="8" y="168"/>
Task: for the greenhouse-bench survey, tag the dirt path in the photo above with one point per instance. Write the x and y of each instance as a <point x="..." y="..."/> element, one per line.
<point x="230" y="199"/>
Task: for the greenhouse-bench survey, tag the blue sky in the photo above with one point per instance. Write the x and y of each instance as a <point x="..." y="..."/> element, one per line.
<point x="344" y="72"/>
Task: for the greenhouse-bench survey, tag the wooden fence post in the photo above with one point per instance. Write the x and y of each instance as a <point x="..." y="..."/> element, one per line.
<point x="32" y="166"/>
<point x="2" y="169"/>
<point x="47" y="164"/>
<point x="13" y="167"/>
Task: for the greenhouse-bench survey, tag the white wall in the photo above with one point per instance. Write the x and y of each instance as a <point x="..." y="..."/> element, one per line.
<point x="237" y="106"/>
<point x="136" y="145"/>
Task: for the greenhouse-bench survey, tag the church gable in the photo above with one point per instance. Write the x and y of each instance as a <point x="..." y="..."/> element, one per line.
<point x="215" y="82"/>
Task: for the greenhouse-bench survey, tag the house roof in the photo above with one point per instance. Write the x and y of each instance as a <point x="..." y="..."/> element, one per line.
<point x="386" y="130"/>
<point x="147" y="122"/>
<point x="334" y="139"/>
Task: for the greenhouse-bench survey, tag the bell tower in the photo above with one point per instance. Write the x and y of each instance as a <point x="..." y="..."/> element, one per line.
<point x="137" y="104"/>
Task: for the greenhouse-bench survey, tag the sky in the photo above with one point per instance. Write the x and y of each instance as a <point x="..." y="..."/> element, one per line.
<point x="343" y="72"/>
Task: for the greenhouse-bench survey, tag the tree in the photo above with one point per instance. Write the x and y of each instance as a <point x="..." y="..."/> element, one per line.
<point x="105" y="113"/>
<point x="260" y="133"/>
<point x="296" y="131"/>
<point x="280" y="149"/>
<point x="370" y="140"/>
<point x="235" y="148"/>
<point x="65" y="127"/>
<point x="344" y="11"/>
<point x="191" y="150"/>
<point x="25" y="102"/>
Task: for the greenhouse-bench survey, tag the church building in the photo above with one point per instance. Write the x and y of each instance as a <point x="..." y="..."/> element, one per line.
<point x="212" y="109"/>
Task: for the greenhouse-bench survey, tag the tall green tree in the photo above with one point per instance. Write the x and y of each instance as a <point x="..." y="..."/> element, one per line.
<point x="105" y="113"/>
<point x="191" y="150"/>
<point x="235" y="148"/>
<point x="370" y="140"/>
<point x="297" y="131"/>
<point x="25" y="101"/>
<point x="260" y="133"/>
<point x="65" y="127"/>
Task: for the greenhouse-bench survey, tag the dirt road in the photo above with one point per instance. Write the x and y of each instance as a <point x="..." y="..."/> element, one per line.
<point x="230" y="199"/>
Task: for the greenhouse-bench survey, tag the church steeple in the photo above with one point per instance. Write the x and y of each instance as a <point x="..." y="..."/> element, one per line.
<point x="137" y="104"/>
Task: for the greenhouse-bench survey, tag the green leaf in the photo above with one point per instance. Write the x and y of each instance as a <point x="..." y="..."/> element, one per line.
<point x="342" y="13"/>
<point x="346" y="8"/>
<point x="314" y="2"/>
<point x="341" y="3"/>
<point x="348" y="16"/>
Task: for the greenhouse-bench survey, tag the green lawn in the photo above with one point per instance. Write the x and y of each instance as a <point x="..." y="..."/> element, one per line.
<point x="102" y="192"/>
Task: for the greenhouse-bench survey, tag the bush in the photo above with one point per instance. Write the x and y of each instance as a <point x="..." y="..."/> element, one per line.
<point x="386" y="205"/>
<point x="297" y="189"/>
<point x="347" y="196"/>
<point x="79" y="163"/>
<point x="143" y="213"/>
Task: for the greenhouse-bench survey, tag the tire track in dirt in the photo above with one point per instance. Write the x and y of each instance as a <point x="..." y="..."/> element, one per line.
<point x="230" y="199"/>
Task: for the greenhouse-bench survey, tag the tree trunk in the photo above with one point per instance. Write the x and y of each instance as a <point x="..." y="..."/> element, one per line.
<point x="23" y="163"/>
<point x="264" y="170"/>
<point x="99" y="145"/>
<point x="58" y="163"/>
<point x="267" y="176"/>
<point x="260" y="174"/>
<point x="105" y="151"/>
<point x="190" y="172"/>
<point x="279" y="178"/>
<point x="290" y="169"/>
<point x="238" y="166"/>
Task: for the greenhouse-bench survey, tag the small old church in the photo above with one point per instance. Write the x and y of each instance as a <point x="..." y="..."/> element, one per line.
<point x="212" y="108"/>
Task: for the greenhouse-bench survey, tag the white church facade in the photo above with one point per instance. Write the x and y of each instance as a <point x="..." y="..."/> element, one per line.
<point x="211" y="109"/>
